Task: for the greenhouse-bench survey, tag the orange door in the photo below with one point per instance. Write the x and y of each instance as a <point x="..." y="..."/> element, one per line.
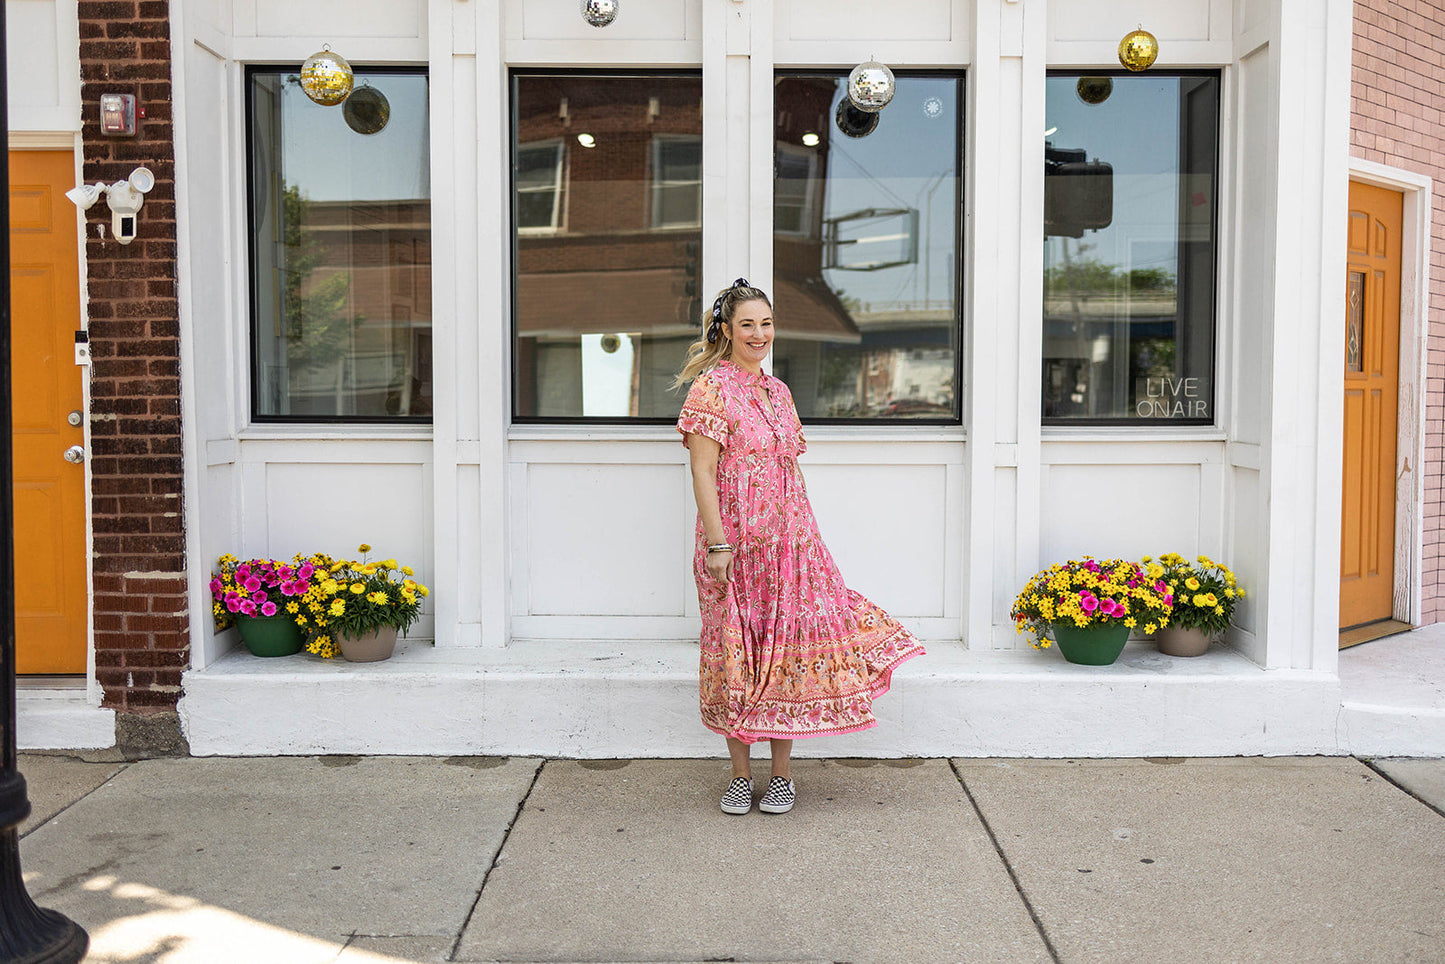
<point x="1372" y="375"/>
<point x="50" y="602"/>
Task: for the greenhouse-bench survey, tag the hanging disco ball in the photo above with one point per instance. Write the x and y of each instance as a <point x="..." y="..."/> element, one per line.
<point x="1094" y="90"/>
<point x="326" y="77"/>
<point x="1138" y="50"/>
<point x="854" y="122"/>
<point x="871" y="86"/>
<point x="599" y="13"/>
<point x="367" y="110"/>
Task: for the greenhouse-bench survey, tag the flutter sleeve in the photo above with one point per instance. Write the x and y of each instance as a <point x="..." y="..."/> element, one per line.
<point x="704" y="412"/>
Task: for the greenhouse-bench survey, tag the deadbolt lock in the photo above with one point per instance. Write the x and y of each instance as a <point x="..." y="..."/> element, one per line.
<point x="75" y="417"/>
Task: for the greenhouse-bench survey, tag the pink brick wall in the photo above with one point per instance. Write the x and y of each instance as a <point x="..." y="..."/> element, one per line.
<point x="1398" y="118"/>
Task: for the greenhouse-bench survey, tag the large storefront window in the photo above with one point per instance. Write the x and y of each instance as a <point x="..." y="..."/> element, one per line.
<point x="340" y="249"/>
<point x="1129" y="249"/>
<point x="607" y="200"/>
<point x="866" y="250"/>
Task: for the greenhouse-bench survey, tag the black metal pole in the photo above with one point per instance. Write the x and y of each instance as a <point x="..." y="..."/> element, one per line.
<point x="28" y="933"/>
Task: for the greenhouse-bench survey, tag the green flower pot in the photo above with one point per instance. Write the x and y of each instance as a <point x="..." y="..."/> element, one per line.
<point x="1092" y="645"/>
<point x="269" y="635"/>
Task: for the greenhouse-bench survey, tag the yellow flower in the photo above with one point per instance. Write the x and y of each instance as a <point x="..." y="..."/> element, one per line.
<point x="1192" y="583"/>
<point x="1210" y="599"/>
<point x="425" y="592"/>
<point x="338" y="607"/>
<point x="388" y="564"/>
<point x="293" y="607"/>
<point x="1131" y="622"/>
<point x="1219" y="610"/>
<point x="363" y="548"/>
<point x="1198" y="599"/>
<point x="377" y="597"/>
<point x="301" y="620"/>
<point x="358" y="588"/>
<point x="408" y="597"/>
<point x="408" y="570"/>
<point x="1229" y="593"/>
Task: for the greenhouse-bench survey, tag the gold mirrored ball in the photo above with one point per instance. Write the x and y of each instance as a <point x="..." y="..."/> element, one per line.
<point x="1138" y="50"/>
<point x="326" y="77"/>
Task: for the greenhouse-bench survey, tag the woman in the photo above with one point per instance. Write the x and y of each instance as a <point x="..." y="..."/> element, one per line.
<point x="788" y="650"/>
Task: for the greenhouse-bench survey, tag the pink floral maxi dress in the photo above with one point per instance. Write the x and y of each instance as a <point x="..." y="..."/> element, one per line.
<point x="788" y="650"/>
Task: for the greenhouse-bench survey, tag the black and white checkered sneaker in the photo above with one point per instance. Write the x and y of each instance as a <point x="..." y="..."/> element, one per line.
<point x="739" y="796"/>
<point x="780" y="796"/>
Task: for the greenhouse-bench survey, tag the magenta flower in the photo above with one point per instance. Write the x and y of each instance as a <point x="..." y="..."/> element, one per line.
<point x="259" y="595"/>
<point x="243" y="570"/>
<point x="248" y="608"/>
<point x="233" y="602"/>
<point x="307" y="570"/>
<point x="268" y="609"/>
<point x="217" y="586"/>
<point x="252" y="584"/>
<point x="1087" y="600"/>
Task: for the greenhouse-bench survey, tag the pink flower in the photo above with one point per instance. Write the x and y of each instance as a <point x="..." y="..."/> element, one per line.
<point x="268" y="609"/>
<point x="217" y="586"/>
<point x="259" y="595"/>
<point x="252" y="584"/>
<point x="233" y="602"/>
<point x="307" y="570"/>
<point x="243" y="571"/>
<point x="248" y="608"/>
<point x="1087" y="600"/>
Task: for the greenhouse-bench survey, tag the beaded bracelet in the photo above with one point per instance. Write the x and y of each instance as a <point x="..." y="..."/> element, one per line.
<point x="720" y="547"/>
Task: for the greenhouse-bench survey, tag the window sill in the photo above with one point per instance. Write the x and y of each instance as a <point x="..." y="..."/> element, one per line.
<point x="1130" y="433"/>
<point x="317" y="432"/>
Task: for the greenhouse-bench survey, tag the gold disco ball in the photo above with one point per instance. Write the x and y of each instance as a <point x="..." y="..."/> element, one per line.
<point x="1138" y="50"/>
<point x="326" y="77"/>
<point x="1094" y="90"/>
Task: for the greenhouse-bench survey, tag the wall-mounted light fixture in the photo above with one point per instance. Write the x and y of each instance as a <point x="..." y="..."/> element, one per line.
<point x="123" y="197"/>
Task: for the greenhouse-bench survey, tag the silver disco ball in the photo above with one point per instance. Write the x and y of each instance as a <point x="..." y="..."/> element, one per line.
<point x="599" y="13"/>
<point x="871" y="86"/>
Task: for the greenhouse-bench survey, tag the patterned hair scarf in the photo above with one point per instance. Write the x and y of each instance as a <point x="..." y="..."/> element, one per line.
<point x="714" y="325"/>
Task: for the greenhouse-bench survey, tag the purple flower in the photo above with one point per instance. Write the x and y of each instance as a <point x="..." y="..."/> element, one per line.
<point x="248" y="608"/>
<point x="268" y="609"/>
<point x="252" y="584"/>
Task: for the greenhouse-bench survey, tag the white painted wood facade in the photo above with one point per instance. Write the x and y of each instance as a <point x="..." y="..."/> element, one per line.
<point x="553" y="542"/>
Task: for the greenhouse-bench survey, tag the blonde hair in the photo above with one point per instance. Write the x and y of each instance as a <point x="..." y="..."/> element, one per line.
<point x="703" y="355"/>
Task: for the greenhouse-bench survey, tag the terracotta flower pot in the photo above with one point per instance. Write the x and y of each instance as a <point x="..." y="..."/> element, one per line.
<point x="269" y="635"/>
<point x="370" y="647"/>
<point x="1179" y="641"/>
<point x="1092" y="645"/>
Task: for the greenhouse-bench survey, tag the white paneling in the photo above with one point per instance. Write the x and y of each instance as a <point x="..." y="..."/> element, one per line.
<point x="1247" y="556"/>
<point x="334" y="507"/>
<point x="829" y="32"/>
<point x="220" y="532"/>
<point x="43" y="62"/>
<point x="1119" y="511"/>
<point x="1254" y="240"/>
<point x="1005" y="565"/>
<point x="636" y="20"/>
<point x="340" y="19"/>
<point x="1112" y="19"/>
<point x="469" y="557"/>
<point x="833" y="20"/>
<point x="603" y="540"/>
<point x="887" y="527"/>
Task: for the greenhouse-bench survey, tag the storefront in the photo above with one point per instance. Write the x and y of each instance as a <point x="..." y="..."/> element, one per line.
<point x="1037" y="307"/>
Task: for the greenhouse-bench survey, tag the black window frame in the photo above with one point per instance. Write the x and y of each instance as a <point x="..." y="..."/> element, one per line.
<point x="252" y="287"/>
<point x="1157" y="425"/>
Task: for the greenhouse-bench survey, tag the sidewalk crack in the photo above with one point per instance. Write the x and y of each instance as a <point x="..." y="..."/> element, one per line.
<point x="123" y="767"/>
<point x="496" y="858"/>
<point x="1008" y="866"/>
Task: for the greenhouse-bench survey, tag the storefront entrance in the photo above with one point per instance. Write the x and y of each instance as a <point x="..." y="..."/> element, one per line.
<point x="1372" y="370"/>
<point x="48" y="417"/>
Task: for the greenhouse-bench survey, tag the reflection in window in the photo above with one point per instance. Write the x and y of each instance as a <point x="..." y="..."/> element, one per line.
<point x="677" y="181"/>
<point x="607" y="190"/>
<point x="866" y="250"/>
<point x="340" y="253"/>
<point x="1129" y="247"/>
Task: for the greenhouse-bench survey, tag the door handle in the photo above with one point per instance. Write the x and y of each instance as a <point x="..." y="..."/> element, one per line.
<point x="75" y="454"/>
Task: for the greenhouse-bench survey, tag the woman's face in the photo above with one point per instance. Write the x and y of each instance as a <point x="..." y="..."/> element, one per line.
<point x="751" y="331"/>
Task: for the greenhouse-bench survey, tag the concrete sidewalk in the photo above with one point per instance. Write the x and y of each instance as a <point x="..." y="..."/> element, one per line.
<point x="387" y="860"/>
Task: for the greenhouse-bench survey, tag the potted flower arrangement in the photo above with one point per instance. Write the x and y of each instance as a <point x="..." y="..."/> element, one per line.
<point x="1089" y="606"/>
<point x="356" y="607"/>
<point x="1205" y="594"/>
<point x="256" y="596"/>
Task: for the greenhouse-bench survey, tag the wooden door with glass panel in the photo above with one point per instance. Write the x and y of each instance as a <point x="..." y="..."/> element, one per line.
<point x="1372" y="370"/>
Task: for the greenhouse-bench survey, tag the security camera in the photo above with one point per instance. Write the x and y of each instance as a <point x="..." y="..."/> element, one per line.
<point x="125" y="199"/>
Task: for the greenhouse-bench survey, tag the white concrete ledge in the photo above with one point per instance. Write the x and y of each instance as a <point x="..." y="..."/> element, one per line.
<point x="567" y="698"/>
<point x="1393" y="695"/>
<point x="61" y="719"/>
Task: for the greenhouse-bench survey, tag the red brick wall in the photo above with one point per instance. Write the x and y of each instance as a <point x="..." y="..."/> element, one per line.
<point x="141" y="623"/>
<point x="1398" y="118"/>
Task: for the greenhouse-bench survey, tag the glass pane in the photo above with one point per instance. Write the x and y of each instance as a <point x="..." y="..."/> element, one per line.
<point x="866" y="249"/>
<point x="606" y="304"/>
<point x="1129" y="247"/>
<point x="341" y="252"/>
<point x="1355" y="324"/>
